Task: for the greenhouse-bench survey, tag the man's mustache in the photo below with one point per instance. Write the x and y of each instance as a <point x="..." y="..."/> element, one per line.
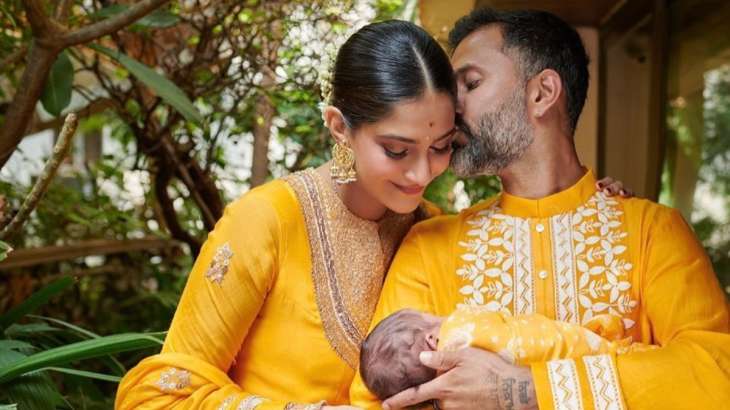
<point x="463" y="134"/>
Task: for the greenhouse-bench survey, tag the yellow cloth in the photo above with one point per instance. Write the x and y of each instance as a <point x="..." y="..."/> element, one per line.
<point x="571" y="256"/>
<point x="531" y="338"/>
<point x="248" y="331"/>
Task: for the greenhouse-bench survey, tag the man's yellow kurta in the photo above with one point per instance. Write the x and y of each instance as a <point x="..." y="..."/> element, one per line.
<point x="571" y="256"/>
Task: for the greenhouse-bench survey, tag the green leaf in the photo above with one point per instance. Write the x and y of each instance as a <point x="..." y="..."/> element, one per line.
<point x="57" y="89"/>
<point x="35" y="300"/>
<point x="86" y="349"/>
<point x="80" y="330"/>
<point x="5" y="249"/>
<point x="156" y="19"/>
<point x="18" y="345"/>
<point x="83" y="373"/>
<point x="159" y="19"/>
<point x="32" y="391"/>
<point x="18" y="331"/>
<point x="163" y="87"/>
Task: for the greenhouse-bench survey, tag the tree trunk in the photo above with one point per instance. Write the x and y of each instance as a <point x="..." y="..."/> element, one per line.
<point x="262" y="132"/>
<point x="265" y="110"/>
<point x="21" y="109"/>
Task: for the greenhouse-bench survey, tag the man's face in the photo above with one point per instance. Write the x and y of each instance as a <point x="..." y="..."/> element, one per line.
<point x="491" y="109"/>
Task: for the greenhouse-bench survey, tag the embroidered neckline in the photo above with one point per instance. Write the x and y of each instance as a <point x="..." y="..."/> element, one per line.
<point x="349" y="258"/>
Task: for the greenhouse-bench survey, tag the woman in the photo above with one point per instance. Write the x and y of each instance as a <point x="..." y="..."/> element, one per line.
<point x="284" y="288"/>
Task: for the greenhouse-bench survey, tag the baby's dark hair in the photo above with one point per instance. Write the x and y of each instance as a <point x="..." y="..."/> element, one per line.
<point x="387" y="363"/>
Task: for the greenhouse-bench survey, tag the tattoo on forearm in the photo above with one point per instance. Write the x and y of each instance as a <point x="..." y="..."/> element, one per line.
<point x="524" y="392"/>
<point x="507" y="387"/>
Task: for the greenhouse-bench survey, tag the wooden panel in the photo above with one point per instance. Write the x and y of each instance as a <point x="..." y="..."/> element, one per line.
<point x="586" y="133"/>
<point x="438" y="16"/>
<point x="575" y="12"/>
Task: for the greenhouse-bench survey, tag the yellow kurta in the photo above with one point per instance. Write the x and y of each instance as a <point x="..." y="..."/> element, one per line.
<point x="275" y="307"/>
<point x="572" y="256"/>
<point x="532" y="338"/>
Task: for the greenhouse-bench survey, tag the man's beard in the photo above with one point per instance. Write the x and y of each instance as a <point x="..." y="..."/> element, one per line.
<point x="500" y="138"/>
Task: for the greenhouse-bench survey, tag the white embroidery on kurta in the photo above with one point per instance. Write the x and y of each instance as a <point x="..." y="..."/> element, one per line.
<point x="591" y="275"/>
<point x="227" y="402"/>
<point x="250" y="402"/>
<point x="564" y="385"/>
<point x="488" y="260"/>
<point x="524" y="280"/>
<point x="219" y="266"/>
<point x="173" y="379"/>
<point x="604" y="382"/>
<point x="566" y="306"/>
<point x="598" y="240"/>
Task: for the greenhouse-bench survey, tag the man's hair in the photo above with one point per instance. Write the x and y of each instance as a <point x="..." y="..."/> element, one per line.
<point x="387" y="365"/>
<point x="539" y="40"/>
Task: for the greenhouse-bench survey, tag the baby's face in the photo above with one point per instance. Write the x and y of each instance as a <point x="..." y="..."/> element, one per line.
<point x="427" y="332"/>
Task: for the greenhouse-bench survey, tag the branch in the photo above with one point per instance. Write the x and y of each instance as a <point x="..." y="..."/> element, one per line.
<point x="182" y="170"/>
<point x="62" y="10"/>
<point x="169" y="215"/>
<point x="42" y="25"/>
<point x="31" y="201"/>
<point x="111" y="24"/>
<point x="14" y="57"/>
<point x="99" y="105"/>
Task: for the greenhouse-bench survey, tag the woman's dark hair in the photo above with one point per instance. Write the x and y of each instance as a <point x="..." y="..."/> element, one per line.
<point x="383" y="64"/>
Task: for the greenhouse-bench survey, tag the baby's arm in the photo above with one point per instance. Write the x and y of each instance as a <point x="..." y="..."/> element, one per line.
<point x="521" y="339"/>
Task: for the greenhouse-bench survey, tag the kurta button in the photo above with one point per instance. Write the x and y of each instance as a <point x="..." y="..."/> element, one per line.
<point x="540" y="228"/>
<point x="543" y="274"/>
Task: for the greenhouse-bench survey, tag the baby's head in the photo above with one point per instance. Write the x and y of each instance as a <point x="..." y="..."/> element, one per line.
<point x="389" y="360"/>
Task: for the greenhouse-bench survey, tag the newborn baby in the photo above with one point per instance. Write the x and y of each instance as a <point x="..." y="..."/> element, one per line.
<point x="389" y="360"/>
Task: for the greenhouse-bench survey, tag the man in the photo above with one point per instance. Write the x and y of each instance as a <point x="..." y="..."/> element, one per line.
<point x="551" y="244"/>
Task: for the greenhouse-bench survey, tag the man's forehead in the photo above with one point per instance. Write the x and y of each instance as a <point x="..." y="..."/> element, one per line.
<point x="477" y="46"/>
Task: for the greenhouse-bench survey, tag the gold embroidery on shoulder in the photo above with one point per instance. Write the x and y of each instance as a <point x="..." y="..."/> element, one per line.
<point x="218" y="268"/>
<point x="173" y="379"/>
<point x="250" y="402"/>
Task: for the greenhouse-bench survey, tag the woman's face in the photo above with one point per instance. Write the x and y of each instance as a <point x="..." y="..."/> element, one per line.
<point x="398" y="156"/>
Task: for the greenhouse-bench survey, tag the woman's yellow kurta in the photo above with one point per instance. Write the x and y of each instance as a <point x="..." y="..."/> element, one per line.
<point x="572" y="256"/>
<point x="275" y="307"/>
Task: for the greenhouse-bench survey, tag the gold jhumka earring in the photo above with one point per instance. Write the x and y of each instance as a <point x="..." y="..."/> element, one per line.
<point x="343" y="164"/>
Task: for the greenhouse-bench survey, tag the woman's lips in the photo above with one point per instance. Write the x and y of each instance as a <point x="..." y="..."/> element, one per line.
<point x="410" y="189"/>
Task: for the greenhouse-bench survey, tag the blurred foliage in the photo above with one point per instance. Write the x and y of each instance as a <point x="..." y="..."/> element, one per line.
<point x="699" y="132"/>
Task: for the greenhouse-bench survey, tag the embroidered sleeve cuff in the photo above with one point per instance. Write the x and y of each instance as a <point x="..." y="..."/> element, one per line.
<point x="590" y="382"/>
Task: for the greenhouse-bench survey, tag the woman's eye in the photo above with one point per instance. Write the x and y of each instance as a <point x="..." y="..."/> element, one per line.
<point x="443" y="150"/>
<point x="396" y="154"/>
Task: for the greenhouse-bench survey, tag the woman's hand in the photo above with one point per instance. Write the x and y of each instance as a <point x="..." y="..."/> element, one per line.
<point x="611" y="187"/>
<point x="471" y="379"/>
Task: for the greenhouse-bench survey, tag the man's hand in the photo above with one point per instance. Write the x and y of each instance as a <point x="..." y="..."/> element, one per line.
<point x="471" y="379"/>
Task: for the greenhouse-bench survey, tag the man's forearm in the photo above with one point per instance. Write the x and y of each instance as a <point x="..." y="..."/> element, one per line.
<point x="514" y="392"/>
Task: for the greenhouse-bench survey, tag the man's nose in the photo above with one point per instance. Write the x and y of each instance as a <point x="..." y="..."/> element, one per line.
<point x="459" y="103"/>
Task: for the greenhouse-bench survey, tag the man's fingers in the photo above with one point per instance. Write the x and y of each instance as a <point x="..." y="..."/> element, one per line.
<point x="414" y="395"/>
<point x="441" y="361"/>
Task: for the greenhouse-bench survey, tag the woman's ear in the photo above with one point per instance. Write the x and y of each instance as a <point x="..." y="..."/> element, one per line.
<point x="335" y="121"/>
